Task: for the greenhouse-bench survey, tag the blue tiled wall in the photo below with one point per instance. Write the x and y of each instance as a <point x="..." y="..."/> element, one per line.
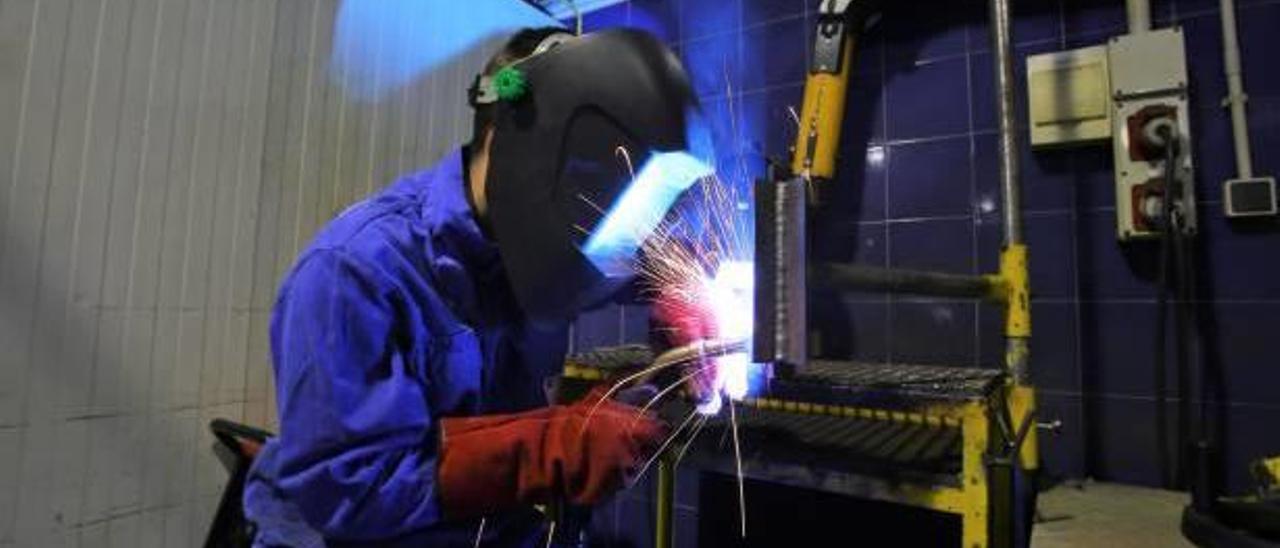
<point x="918" y="188"/>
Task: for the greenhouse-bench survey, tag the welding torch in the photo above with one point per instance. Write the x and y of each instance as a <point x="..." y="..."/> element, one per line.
<point x="571" y="520"/>
<point x="697" y="351"/>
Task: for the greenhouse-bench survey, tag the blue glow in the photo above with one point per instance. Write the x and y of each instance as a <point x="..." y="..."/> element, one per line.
<point x="643" y="204"/>
<point x="697" y="133"/>
<point x="381" y="45"/>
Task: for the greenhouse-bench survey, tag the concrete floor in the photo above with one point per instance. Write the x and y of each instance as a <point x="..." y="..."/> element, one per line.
<point x="1104" y="514"/>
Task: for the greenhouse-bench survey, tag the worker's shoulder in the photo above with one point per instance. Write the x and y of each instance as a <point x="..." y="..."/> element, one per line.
<point x="374" y="232"/>
<point x="387" y="216"/>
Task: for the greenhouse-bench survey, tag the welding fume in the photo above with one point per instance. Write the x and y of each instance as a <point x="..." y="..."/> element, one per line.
<point x="414" y="338"/>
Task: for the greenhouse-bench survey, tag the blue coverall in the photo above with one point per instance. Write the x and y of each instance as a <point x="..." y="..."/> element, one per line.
<point x="396" y="315"/>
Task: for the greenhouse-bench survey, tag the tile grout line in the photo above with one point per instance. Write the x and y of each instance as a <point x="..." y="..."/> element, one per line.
<point x="973" y="191"/>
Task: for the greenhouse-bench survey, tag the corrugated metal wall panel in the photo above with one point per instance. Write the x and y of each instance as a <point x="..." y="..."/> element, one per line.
<point x="165" y="162"/>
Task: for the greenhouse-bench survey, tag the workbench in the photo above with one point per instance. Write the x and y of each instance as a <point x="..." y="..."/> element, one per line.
<point x="926" y="436"/>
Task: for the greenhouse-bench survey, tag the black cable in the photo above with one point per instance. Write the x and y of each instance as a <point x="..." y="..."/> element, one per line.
<point x="1193" y="304"/>
<point x="1198" y="449"/>
<point x="1161" y="378"/>
<point x="1163" y="281"/>
<point x="1182" y="337"/>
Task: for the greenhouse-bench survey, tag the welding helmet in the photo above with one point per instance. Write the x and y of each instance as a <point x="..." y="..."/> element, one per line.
<point x="568" y="214"/>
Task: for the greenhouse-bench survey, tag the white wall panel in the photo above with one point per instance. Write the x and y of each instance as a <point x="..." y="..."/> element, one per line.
<point x="161" y="165"/>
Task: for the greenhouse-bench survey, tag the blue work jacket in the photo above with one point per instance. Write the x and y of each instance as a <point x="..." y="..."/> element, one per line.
<point x="398" y="314"/>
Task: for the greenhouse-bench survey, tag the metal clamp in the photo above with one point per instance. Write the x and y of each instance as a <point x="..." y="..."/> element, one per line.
<point x="832" y="31"/>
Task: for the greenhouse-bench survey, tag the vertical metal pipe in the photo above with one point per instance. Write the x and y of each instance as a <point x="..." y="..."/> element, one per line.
<point x="1009" y="190"/>
<point x="1013" y="267"/>
<point x="1235" y="90"/>
<point x="1017" y="346"/>
<point x="1139" y="14"/>
<point x="665" y="502"/>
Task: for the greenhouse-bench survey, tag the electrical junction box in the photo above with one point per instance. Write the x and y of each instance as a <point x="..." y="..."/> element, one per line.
<point x="1148" y="78"/>
<point x="1069" y="97"/>
<point x="1250" y="197"/>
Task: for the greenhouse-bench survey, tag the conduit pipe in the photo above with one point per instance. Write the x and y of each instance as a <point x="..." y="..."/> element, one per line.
<point x="1139" y="13"/>
<point x="1236" y="97"/>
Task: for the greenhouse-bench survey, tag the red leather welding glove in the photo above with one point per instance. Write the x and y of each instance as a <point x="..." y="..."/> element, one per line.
<point x="579" y="453"/>
<point x="677" y="322"/>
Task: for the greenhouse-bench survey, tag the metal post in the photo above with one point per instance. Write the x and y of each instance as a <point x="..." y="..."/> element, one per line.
<point x="1139" y="14"/>
<point x="1235" y="90"/>
<point x="781" y="333"/>
<point x="1009" y="191"/>
<point x="665" y="502"/>
<point x="1013" y="269"/>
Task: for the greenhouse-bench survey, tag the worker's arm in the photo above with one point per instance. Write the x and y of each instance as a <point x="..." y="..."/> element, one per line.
<point x="361" y="454"/>
<point x="358" y="453"/>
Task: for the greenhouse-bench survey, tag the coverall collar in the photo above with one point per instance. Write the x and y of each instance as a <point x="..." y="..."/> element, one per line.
<point x="451" y="220"/>
<point x="465" y="262"/>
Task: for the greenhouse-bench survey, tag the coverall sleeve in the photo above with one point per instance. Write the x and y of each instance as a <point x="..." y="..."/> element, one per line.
<point x="357" y="446"/>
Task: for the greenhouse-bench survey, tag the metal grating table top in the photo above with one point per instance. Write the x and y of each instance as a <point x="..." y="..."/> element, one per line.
<point x="922" y="452"/>
<point x="892" y="450"/>
<point x="885" y="385"/>
<point x="613" y="358"/>
<point x="841" y="382"/>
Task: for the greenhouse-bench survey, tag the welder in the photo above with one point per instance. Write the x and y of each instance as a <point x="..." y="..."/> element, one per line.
<point x="415" y="339"/>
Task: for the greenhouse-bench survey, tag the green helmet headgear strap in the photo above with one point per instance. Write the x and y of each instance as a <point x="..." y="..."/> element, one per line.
<point x="509" y="83"/>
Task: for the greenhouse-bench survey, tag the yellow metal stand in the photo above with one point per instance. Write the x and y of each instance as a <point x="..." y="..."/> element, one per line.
<point x="969" y="499"/>
<point x="814" y="158"/>
<point x="820" y="117"/>
<point x="665" y="501"/>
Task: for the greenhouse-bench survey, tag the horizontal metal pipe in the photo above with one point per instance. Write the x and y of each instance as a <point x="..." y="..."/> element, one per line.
<point x="852" y="277"/>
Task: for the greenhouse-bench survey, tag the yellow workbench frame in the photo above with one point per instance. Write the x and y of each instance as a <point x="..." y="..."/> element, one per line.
<point x="970" y="499"/>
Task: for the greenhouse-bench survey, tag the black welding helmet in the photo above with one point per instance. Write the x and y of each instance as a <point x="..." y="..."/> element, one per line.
<point x="566" y="210"/>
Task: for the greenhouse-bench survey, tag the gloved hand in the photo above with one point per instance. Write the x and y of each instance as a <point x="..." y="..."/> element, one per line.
<point x="578" y="453"/>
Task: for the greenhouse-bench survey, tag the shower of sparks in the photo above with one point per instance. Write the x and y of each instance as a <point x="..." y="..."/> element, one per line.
<point x="659" y="364"/>
<point x="693" y="435"/>
<point x="625" y="154"/>
<point x="737" y="459"/>
<point x="674" y="385"/>
<point x="479" y="534"/>
<point x="697" y="263"/>
<point x="662" y="448"/>
<point x="641" y="207"/>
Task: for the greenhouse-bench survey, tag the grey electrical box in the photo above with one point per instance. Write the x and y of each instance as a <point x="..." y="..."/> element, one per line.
<point x="1148" y="76"/>
<point x="1250" y="197"/>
